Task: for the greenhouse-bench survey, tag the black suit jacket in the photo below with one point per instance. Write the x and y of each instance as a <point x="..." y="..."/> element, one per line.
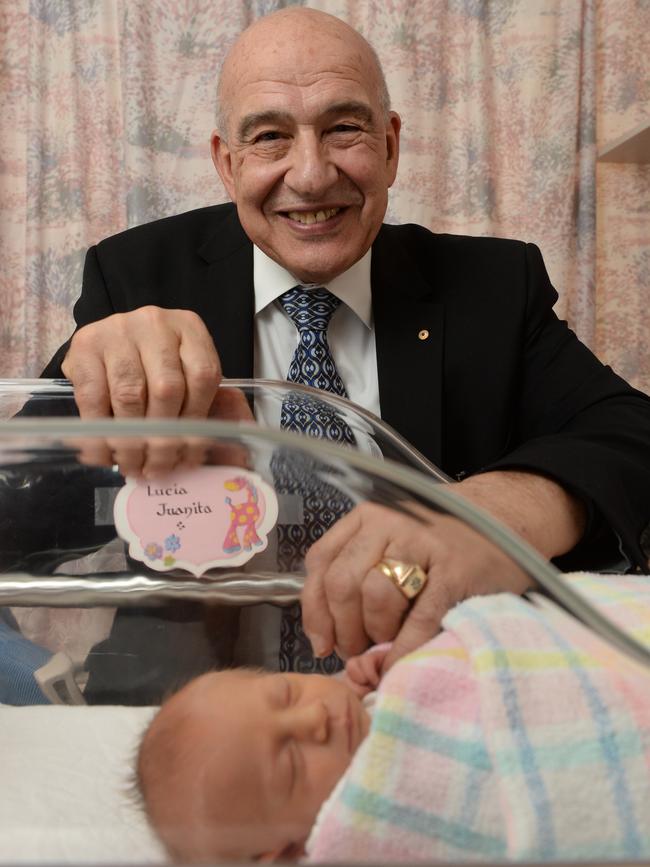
<point x="499" y="383"/>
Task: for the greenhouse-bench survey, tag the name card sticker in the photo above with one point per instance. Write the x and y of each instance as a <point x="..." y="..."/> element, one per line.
<point x="196" y="520"/>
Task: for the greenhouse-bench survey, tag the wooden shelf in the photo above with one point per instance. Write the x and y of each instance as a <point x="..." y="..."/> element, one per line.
<point x="634" y="147"/>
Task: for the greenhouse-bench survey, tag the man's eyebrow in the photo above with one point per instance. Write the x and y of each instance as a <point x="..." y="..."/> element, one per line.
<point x="258" y="118"/>
<point x="360" y="110"/>
<point x="249" y="122"/>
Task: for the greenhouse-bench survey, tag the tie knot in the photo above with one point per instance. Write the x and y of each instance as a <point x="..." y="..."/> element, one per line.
<point x="309" y="309"/>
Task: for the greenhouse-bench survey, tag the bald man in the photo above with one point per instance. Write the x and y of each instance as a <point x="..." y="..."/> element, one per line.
<point x="497" y="391"/>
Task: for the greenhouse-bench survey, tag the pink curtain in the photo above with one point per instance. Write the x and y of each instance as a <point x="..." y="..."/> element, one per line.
<point x="622" y="299"/>
<point x="107" y="106"/>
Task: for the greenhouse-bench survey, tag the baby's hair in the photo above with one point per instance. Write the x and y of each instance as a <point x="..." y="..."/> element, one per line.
<point x="133" y="786"/>
<point x="161" y="739"/>
<point x="149" y="778"/>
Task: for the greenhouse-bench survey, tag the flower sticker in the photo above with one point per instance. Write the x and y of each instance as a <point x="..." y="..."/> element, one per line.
<point x="153" y="551"/>
<point x="172" y="543"/>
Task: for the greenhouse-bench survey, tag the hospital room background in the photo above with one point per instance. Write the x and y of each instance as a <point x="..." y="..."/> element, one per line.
<point x="509" y="109"/>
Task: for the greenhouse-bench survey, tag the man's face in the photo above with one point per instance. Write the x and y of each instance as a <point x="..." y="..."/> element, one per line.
<point x="261" y="754"/>
<point x="310" y="154"/>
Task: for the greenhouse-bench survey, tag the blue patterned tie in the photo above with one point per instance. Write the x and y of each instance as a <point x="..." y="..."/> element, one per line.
<point x="310" y="310"/>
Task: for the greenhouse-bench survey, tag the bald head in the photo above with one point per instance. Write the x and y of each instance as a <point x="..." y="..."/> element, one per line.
<point x="297" y="29"/>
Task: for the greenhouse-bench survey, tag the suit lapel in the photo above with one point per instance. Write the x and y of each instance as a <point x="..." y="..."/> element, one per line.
<point x="227" y="306"/>
<point x="409" y="364"/>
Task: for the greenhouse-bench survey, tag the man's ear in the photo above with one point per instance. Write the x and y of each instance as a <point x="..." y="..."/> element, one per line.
<point x="221" y="157"/>
<point x="393" y="128"/>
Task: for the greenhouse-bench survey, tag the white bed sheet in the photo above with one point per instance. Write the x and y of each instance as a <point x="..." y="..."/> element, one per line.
<point x="65" y="787"/>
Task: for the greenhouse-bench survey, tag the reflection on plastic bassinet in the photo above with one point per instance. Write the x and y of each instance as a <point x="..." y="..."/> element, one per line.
<point x="59" y="548"/>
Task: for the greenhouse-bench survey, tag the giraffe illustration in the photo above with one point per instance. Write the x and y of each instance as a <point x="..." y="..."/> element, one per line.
<point x="242" y="516"/>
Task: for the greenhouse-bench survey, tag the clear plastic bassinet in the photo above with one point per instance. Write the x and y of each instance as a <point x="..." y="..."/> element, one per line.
<point x="116" y="589"/>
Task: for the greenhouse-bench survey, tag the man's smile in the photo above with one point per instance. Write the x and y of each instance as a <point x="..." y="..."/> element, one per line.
<point x="309" y="217"/>
<point x="315" y="222"/>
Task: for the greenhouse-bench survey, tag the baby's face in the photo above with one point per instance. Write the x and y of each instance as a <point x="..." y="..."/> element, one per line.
<point x="264" y="752"/>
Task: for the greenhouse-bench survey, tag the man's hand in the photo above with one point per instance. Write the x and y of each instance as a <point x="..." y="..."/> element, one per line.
<point x="348" y="603"/>
<point x="149" y="362"/>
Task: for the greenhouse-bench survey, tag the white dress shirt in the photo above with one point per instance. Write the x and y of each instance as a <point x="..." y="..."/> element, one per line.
<point x="351" y="335"/>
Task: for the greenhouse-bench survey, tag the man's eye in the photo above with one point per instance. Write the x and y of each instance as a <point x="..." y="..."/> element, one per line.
<point x="269" y="135"/>
<point x="345" y="127"/>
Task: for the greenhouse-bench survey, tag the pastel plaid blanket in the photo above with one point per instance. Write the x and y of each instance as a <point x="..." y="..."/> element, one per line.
<point x="516" y="734"/>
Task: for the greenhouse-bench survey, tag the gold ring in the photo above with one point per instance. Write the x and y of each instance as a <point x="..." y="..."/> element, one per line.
<point x="409" y="578"/>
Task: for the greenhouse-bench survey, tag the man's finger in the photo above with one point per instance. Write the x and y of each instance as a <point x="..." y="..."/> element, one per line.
<point x="92" y="451"/>
<point x="384" y="607"/>
<point x="201" y="367"/>
<point x="317" y="621"/>
<point x="344" y="599"/>
<point x="164" y="375"/>
<point x="196" y="452"/>
<point x="343" y="587"/>
<point x="128" y="453"/>
<point x="127" y="383"/>
<point x="423" y="620"/>
<point x="91" y="390"/>
<point x="230" y="404"/>
<point x="163" y="455"/>
<point x="322" y="553"/>
<point x="352" y="583"/>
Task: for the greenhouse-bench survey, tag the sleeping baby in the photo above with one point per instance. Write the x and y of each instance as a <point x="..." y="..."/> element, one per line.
<point x="237" y="764"/>
<point x="515" y="734"/>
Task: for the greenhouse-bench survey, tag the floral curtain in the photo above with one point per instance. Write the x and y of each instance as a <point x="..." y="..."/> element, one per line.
<point x="107" y="106"/>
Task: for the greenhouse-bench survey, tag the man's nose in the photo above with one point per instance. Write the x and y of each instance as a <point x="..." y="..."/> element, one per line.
<point x="311" y="171"/>
<point x="309" y="722"/>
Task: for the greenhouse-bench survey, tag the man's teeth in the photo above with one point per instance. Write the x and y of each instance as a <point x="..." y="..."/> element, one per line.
<point x="309" y="217"/>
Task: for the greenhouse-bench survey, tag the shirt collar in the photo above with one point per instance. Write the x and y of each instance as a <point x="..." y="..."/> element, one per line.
<point x="270" y="280"/>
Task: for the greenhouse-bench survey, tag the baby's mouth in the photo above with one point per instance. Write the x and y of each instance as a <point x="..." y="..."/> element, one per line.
<point x="308" y="218"/>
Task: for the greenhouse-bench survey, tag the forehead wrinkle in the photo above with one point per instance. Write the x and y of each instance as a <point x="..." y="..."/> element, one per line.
<point x="284" y="70"/>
